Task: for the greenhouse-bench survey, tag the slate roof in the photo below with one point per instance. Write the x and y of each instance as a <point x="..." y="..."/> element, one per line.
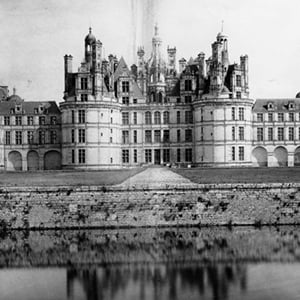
<point x="50" y="107"/>
<point x="261" y="105"/>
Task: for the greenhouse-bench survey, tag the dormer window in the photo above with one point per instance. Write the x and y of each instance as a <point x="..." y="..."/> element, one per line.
<point x="125" y="86"/>
<point x="18" y="109"/>
<point x="291" y="105"/>
<point x="12" y="110"/>
<point x="270" y="105"/>
<point x="36" y="111"/>
<point x="41" y="109"/>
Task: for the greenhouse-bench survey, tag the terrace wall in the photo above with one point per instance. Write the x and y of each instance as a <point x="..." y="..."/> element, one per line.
<point x="87" y="207"/>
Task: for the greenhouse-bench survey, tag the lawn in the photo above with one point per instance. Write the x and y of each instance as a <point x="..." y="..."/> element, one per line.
<point x="73" y="178"/>
<point x="243" y="175"/>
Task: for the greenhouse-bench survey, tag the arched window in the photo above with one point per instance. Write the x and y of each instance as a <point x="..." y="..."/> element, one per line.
<point x="157" y="117"/>
<point x="152" y="97"/>
<point x="148" y="117"/>
<point x="160" y="97"/>
<point x="166" y="117"/>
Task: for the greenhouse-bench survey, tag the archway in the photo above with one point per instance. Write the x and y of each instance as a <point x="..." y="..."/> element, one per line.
<point x="32" y="161"/>
<point x="52" y="160"/>
<point x="14" y="162"/>
<point x="259" y="157"/>
<point x="281" y="157"/>
<point x="297" y="157"/>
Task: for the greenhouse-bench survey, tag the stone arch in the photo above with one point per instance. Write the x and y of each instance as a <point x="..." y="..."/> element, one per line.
<point x="14" y="162"/>
<point x="281" y="157"/>
<point x="259" y="157"/>
<point x="297" y="157"/>
<point x="52" y="160"/>
<point x="32" y="160"/>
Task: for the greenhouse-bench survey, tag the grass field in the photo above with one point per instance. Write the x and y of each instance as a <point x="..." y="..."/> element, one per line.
<point x="74" y="178"/>
<point x="244" y="175"/>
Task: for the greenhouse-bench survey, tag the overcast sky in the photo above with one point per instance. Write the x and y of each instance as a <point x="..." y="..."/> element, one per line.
<point x="36" y="34"/>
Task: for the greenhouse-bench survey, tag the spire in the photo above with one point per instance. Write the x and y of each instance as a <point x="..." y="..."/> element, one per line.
<point x="90" y="30"/>
<point x="156" y="29"/>
<point x="222" y="26"/>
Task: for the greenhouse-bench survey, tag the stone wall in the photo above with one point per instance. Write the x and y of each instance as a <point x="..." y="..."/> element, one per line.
<point x="88" y="207"/>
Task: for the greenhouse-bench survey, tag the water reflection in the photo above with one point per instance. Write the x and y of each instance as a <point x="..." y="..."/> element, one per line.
<point x="157" y="264"/>
<point x="162" y="282"/>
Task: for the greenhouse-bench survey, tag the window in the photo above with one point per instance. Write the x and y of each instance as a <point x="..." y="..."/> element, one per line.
<point x="233" y="113"/>
<point x="178" y="136"/>
<point x="166" y="136"/>
<point x="30" y="120"/>
<point x="241" y="113"/>
<point x="134" y="136"/>
<point x="135" y="156"/>
<point x="125" y="100"/>
<point x="110" y="139"/>
<point x="178" y="117"/>
<point x="73" y="116"/>
<point x="188" y="99"/>
<point x="125" y="118"/>
<point x="53" y="137"/>
<point x="178" y="100"/>
<point x="73" y="136"/>
<point x="291" y="117"/>
<point x="148" y="118"/>
<point x="81" y="156"/>
<point x="134" y="101"/>
<point x="81" y="116"/>
<point x="18" y="137"/>
<point x="18" y="120"/>
<point x="260" y="134"/>
<point x="233" y="153"/>
<point x="84" y="97"/>
<point x="291" y="134"/>
<point x="6" y="120"/>
<point x="42" y="120"/>
<point x="241" y="133"/>
<point x="270" y="117"/>
<point x="260" y="117"/>
<point x="125" y="156"/>
<point x="41" y="137"/>
<point x="241" y="153"/>
<point x="81" y="135"/>
<point x="270" y="134"/>
<point x="157" y="117"/>
<point x="148" y="136"/>
<point x="188" y="85"/>
<point x="125" y="137"/>
<point x="73" y="156"/>
<point x="188" y="117"/>
<point x="238" y="80"/>
<point x="178" y="155"/>
<point x="280" y="117"/>
<point x="280" y="133"/>
<point x="7" y="138"/>
<point x="157" y="136"/>
<point x="238" y="95"/>
<point x="188" y="135"/>
<point x="125" y="86"/>
<point x="135" y="117"/>
<point x="84" y="83"/>
<point x="166" y="155"/>
<point x="188" y="155"/>
<point x="148" y="155"/>
<point x="233" y="133"/>
<point x="166" y="117"/>
<point x="30" y="139"/>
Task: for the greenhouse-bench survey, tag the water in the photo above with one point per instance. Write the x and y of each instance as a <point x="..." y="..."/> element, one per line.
<point x="191" y="263"/>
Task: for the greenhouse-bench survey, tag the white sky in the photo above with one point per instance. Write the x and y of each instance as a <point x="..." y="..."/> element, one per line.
<point x="36" y="34"/>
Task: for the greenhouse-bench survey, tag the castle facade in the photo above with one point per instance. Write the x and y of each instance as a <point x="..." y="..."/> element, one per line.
<point x="151" y="113"/>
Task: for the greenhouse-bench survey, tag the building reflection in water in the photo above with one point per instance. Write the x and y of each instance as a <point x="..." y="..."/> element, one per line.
<point x="156" y="282"/>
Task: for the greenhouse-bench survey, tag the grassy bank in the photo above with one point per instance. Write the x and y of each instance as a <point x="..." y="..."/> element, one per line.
<point x="72" y="178"/>
<point x="241" y="175"/>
